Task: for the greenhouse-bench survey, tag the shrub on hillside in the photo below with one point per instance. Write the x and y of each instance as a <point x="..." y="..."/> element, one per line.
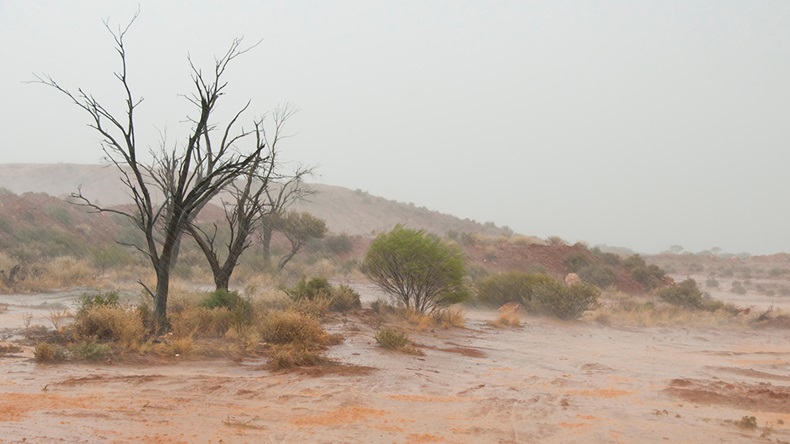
<point x="576" y="261"/>
<point x="599" y="275"/>
<point x="555" y="299"/>
<point x="685" y="294"/>
<point x="515" y="286"/>
<point x="651" y="276"/>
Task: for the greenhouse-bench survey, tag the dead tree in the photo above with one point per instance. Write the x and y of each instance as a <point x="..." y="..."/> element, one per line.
<point x="246" y="206"/>
<point x="187" y="175"/>
<point x="279" y="197"/>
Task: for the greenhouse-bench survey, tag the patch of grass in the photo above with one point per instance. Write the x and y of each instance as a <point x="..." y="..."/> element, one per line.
<point x="91" y="351"/>
<point x="57" y="317"/>
<point x="451" y="317"/>
<point x="391" y="338"/>
<point x="555" y="299"/>
<point x="107" y="322"/>
<point x="394" y="339"/>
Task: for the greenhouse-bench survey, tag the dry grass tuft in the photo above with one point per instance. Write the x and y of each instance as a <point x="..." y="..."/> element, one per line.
<point x="394" y="339"/>
<point x="291" y="327"/>
<point x="451" y="317"/>
<point x="104" y="322"/>
<point x="286" y="356"/>
<point x="509" y="316"/>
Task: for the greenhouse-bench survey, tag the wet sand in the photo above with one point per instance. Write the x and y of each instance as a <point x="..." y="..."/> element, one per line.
<point x="547" y="381"/>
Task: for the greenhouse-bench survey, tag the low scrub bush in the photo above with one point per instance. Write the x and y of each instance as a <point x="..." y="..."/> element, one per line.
<point x="451" y="317"/>
<point x="319" y="291"/>
<point x="391" y="338"/>
<point x="89" y="300"/>
<point x="555" y="299"/>
<point x="91" y="351"/>
<point x="344" y="298"/>
<point x="201" y="321"/>
<point x="599" y="275"/>
<point x="107" y="322"/>
<point x="516" y="286"/>
<point x="291" y="327"/>
<point x="47" y="352"/>
<point x="685" y="294"/>
<point x="576" y="261"/>
<point x="712" y="283"/>
<point x="650" y="276"/>
<point x="285" y="356"/>
<point x="240" y="308"/>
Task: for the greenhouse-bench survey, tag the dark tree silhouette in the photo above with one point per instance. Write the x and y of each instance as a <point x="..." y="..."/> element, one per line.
<point x="169" y="190"/>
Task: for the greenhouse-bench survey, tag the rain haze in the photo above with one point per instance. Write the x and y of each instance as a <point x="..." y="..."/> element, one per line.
<point x="634" y="124"/>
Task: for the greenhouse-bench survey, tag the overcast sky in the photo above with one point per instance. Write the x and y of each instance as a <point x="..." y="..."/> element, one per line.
<point x="630" y="123"/>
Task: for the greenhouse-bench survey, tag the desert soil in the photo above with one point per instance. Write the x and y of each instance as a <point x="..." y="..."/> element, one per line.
<point x="547" y="381"/>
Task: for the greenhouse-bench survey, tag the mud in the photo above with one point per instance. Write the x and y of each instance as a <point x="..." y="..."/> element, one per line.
<point x="546" y="381"/>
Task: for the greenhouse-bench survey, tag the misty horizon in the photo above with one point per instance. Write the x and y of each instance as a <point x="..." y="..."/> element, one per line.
<point x="636" y="126"/>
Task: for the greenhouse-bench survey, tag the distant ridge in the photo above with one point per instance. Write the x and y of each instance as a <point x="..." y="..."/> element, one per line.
<point x="345" y="211"/>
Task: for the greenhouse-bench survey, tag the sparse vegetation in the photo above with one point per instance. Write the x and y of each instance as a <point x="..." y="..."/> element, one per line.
<point x="516" y="286"/>
<point x="564" y="302"/>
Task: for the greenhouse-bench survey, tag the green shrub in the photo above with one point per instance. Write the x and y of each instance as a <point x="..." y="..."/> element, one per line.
<point x="240" y="308"/>
<point x="555" y="299"/>
<point x="422" y="271"/>
<point x="108" y="322"/>
<point x="391" y="338"/>
<point x="515" y="286"/>
<point x="91" y="351"/>
<point x="685" y="294"/>
<point x="576" y="261"/>
<point x="338" y="244"/>
<point x="595" y="274"/>
<point x="712" y="283"/>
<point x="344" y="298"/>
<point x="651" y="276"/>
<point x="317" y="287"/>
<point x="88" y="301"/>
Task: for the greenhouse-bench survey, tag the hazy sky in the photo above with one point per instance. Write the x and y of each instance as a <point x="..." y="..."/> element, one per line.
<point x="628" y="123"/>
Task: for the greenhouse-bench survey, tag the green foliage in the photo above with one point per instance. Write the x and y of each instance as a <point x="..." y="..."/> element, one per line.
<point x="555" y="299"/>
<point x="317" y="287"/>
<point x="609" y="258"/>
<point x="60" y="214"/>
<point x="599" y="275"/>
<point x="514" y="286"/>
<point x="712" y="283"/>
<point x="91" y="351"/>
<point x="685" y="294"/>
<point x="240" y="308"/>
<point x="576" y="261"/>
<point x="344" y="298"/>
<point x="87" y="301"/>
<point x="339" y="244"/>
<point x="391" y="338"/>
<point x="651" y="276"/>
<point x="423" y="271"/>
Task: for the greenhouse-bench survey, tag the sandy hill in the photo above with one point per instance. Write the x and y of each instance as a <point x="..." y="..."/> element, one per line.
<point x="345" y="211"/>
